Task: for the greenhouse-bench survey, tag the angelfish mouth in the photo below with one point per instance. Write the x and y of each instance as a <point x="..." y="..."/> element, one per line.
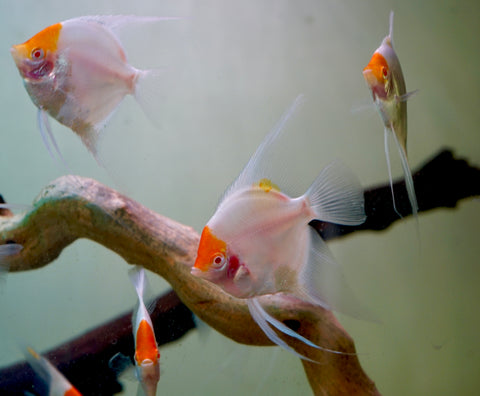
<point x="32" y="70"/>
<point x="210" y="275"/>
<point x="16" y="55"/>
<point x="197" y="272"/>
<point x="377" y="87"/>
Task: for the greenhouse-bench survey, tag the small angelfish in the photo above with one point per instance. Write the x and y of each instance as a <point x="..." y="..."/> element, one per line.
<point x="56" y="383"/>
<point x="77" y="72"/>
<point x="384" y="77"/>
<point x="259" y="241"/>
<point x="147" y="356"/>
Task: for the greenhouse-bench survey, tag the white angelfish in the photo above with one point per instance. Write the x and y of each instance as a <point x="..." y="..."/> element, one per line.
<point x="259" y="240"/>
<point x="77" y="72"/>
<point x="384" y="77"/>
<point x="147" y="356"/>
<point x="55" y="382"/>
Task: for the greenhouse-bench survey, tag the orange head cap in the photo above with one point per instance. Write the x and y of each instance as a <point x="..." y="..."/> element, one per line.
<point x="377" y="74"/>
<point x="211" y="256"/>
<point x="34" y="57"/>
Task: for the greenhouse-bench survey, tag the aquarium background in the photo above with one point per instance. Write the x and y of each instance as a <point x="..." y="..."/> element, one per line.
<point x="231" y="69"/>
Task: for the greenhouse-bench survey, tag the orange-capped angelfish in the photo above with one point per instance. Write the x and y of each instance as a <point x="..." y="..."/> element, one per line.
<point x="77" y="72"/>
<point x="56" y="383"/>
<point x="147" y="356"/>
<point x="384" y="77"/>
<point x="259" y="240"/>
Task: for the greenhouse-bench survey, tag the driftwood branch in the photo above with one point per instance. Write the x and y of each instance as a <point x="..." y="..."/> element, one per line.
<point x="71" y="208"/>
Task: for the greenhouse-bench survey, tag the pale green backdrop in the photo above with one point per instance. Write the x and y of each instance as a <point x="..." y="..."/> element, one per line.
<point x="231" y="68"/>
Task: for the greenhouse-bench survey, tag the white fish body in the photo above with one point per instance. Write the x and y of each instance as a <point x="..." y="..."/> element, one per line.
<point x="259" y="241"/>
<point x="77" y="72"/>
<point x="147" y="356"/>
<point x="384" y="77"/>
<point x="57" y="384"/>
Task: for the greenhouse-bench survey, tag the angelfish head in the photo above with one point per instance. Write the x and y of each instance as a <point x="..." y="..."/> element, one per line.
<point x="35" y="58"/>
<point x="217" y="264"/>
<point x="148" y="373"/>
<point x="378" y="76"/>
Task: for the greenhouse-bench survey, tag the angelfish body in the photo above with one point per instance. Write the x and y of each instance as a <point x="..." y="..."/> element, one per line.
<point x="77" y="72"/>
<point x="147" y="356"/>
<point x="384" y="77"/>
<point x="259" y="241"/>
<point x="262" y="235"/>
<point x="56" y="383"/>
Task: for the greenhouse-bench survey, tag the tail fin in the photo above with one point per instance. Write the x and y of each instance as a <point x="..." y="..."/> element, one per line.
<point x="149" y="90"/>
<point x="137" y="277"/>
<point x="408" y="183"/>
<point x="408" y="177"/>
<point x="389" y="167"/>
<point x="321" y="282"/>
<point x="336" y="196"/>
<point x="262" y="318"/>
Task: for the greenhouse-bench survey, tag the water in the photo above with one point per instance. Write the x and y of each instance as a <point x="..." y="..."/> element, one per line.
<point x="233" y="68"/>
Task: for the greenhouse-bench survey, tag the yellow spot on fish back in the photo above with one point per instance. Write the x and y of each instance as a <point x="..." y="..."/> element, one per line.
<point x="47" y="40"/>
<point x="33" y="353"/>
<point x="267" y="185"/>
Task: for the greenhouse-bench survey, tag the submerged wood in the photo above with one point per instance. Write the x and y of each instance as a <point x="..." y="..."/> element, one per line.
<point x="72" y="207"/>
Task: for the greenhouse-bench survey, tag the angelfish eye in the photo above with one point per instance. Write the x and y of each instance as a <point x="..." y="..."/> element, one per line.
<point x="218" y="261"/>
<point x="37" y="53"/>
<point x="384" y="72"/>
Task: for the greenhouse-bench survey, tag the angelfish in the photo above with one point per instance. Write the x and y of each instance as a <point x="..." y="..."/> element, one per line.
<point x="384" y="77"/>
<point x="147" y="356"/>
<point x="56" y="383"/>
<point x="77" y="72"/>
<point x="259" y="241"/>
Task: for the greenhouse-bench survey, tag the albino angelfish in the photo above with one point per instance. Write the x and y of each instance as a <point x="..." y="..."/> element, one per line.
<point x="56" y="383"/>
<point x="259" y="240"/>
<point x="147" y="356"/>
<point x="77" y="72"/>
<point x="384" y="77"/>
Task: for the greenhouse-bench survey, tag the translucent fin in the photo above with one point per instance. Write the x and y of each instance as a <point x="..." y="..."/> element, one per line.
<point x="336" y="196"/>
<point x="47" y="137"/>
<point x="406" y="96"/>
<point x="260" y="165"/>
<point x="117" y="22"/>
<point x="390" y="30"/>
<point x="149" y="90"/>
<point x="322" y="282"/>
<point x="258" y="315"/>
<point x="137" y="277"/>
<point x="389" y="167"/>
<point x="408" y="180"/>
<point x="388" y="40"/>
<point x="287" y="330"/>
<point x="9" y="249"/>
<point x="39" y="364"/>
<point x="119" y="362"/>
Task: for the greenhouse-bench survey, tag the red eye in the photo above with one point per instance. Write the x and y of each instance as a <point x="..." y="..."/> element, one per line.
<point x="384" y="72"/>
<point x="37" y="54"/>
<point x="218" y="261"/>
